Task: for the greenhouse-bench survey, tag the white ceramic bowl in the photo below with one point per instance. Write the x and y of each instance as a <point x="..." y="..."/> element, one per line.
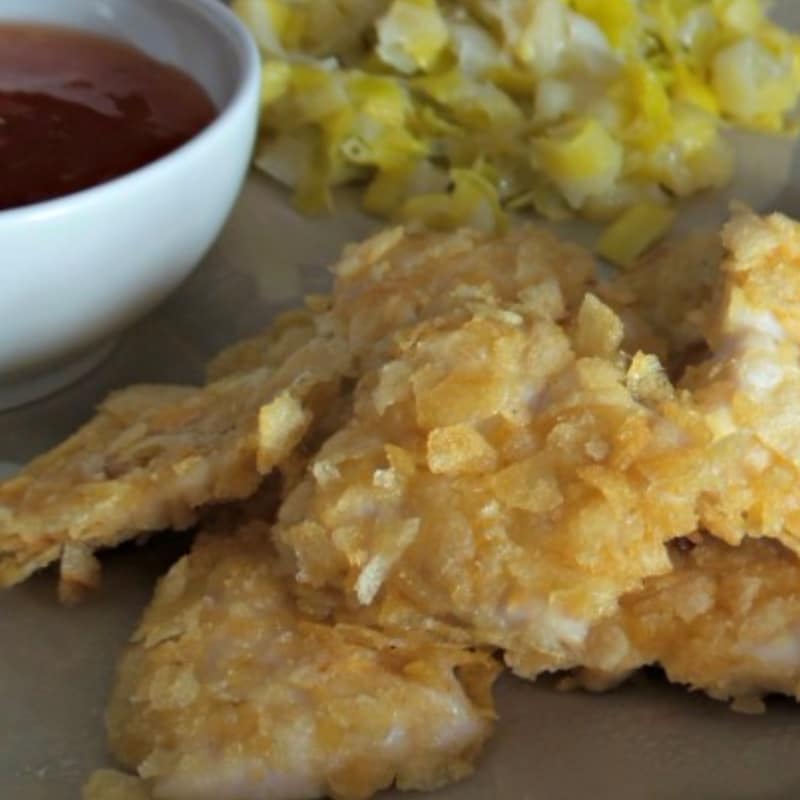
<point x="76" y="270"/>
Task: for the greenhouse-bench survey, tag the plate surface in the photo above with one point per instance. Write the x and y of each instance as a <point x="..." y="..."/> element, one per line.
<point x="647" y="740"/>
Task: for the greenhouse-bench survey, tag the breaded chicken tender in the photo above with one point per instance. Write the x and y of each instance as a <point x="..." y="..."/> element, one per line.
<point x="747" y="391"/>
<point x="228" y="692"/>
<point x="726" y="620"/>
<point x="153" y="456"/>
<point x="508" y="473"/>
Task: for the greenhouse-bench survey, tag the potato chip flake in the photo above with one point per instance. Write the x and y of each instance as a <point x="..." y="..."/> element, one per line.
<point x="459" y="449"/>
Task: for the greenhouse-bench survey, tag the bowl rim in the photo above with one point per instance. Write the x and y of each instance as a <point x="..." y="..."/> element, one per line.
<point x="218" y="16"/>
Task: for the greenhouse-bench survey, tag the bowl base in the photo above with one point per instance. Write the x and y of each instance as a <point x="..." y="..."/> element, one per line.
<point x="16" y="393"/>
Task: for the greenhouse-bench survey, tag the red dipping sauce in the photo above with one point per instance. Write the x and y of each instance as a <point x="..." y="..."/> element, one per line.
<point x="78" y="109"/>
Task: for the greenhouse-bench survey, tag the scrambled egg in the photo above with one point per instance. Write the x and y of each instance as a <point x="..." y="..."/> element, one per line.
<point x="451" y="113"/>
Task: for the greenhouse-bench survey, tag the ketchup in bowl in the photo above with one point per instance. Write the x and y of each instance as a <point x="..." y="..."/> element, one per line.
<point x="78" y="109"/>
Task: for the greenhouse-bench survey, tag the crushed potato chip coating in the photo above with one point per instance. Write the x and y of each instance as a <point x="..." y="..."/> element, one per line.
<point x="724" y="621"/>
<point x="397" y="279"/>
<point x="504" y="477"/>
<point x="478" y="446"/>
<point x="227" y="691"/>
<point x="747" y="390"/>
<point x="154" y="454"/>
<point x="152" y="457"/>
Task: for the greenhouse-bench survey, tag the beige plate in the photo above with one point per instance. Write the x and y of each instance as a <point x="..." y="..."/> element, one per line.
<point x="644" y="741"/>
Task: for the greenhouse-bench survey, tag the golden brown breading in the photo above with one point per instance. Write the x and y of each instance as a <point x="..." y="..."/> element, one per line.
<point x="747" y="391"/>
<point x="226" y="691"/>
<point x="726" y="620"/>
<point x="153" y="455"/>
<point x="507" y="473"/>
<point x="499" y="470"/>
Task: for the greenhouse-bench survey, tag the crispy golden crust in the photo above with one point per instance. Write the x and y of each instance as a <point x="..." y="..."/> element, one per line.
<point x="747" y="391"/>
<point x="227" y="691"/>
<point x="507" y="473"/>
<point x="397" y="279"/>
<point x="746" y="386"/>
<point x="153" y="455"/>
<point x="726" y="620"/>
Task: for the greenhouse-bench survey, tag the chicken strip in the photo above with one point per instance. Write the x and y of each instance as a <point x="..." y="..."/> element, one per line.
<point x="508" y="473"/>
<point x="748" y="390"/>
<point x="152" y="456"/>
<point x="155" y="454"/>
<point x="227" y="692"/>
<point x="726" y="620"/>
